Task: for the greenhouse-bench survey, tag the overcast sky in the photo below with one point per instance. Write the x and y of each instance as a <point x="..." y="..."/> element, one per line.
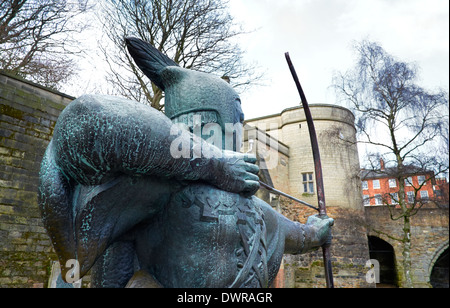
<point x="318" y="34"/>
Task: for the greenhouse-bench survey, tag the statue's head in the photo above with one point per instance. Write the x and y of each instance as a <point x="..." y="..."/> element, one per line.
<point x="189" y="95"/>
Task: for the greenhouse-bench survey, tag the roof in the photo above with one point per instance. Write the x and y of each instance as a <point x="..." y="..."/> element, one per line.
<point x="393" y="172"/>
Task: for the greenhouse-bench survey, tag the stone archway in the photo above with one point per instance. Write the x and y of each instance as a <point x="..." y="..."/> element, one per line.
<point x="384" y="253"/>
<point x="439" y="268"/>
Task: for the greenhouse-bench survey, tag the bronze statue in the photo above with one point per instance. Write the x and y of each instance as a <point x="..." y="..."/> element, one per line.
<point x="123" y="189"/>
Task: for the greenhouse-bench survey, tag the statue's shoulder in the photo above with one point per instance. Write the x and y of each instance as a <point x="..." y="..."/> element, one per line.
<point x="90" y="107"/>
<point x="96" y="102"/>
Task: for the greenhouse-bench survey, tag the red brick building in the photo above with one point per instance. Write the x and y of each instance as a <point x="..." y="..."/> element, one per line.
<point x="380" y="187"/>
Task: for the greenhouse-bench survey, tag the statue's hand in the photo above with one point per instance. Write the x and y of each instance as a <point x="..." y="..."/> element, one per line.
<point x="235" y="172"/>
<point x="321" y="230"/>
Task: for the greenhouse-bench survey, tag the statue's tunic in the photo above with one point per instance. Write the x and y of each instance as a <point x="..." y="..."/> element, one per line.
<point x="212" y="238"/>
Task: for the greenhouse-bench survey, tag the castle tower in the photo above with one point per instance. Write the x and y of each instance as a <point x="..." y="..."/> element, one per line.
<point x="340" y="167"/>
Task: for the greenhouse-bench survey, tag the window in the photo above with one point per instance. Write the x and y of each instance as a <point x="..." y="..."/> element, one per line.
<point x="424" y="195"/>
<point x="438" y="193"/>
<point x="378" y="199"/>
<point x="376" y="184"/>
<point x="394" y="198"/>
<point x="408" y="181"/>
<point x="421" y="179"/>
<point x="392" y="183"/>
<point x="308" y="183"/>
<point x="365" y="185"/>
<point x="410" y="195"/>
<point x="366" y="200"/>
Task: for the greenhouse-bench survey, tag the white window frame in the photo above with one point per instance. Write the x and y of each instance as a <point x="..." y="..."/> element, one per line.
<point x="394" y="198"/>
<point x="308" y="182"/>
<point x="365" y="185"/>
<point x="366" y="200"/>
<point x="424" y="195"/>
<point x="392" y="183"/>
<point x="378" y="199"/>
<point x="421" y="179"/>
<point x="373" y="184"/>
<point x="410" y="196"/>
<point x="408" y="181"/>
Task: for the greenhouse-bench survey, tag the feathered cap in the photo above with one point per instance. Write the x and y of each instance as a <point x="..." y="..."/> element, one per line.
<point x="186" y="91"/>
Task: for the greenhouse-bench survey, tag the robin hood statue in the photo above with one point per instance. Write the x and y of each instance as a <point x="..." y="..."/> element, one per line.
<point x="128" y="191"/>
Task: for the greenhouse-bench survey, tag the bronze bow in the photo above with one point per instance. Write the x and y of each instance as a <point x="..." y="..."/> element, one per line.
<point x="318" y="170"/>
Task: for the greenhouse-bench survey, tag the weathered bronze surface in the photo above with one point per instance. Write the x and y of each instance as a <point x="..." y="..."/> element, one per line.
<point x="124" y="190"/>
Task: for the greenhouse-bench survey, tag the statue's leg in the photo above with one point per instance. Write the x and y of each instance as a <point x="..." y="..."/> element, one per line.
<point x="115" y="266"/>
<point x="56" y="208"/>
<point x="82" y="221"/>
<point x="104" y="213"/>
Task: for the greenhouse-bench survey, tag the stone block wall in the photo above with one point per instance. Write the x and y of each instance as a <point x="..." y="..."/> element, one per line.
<point x="340" y="163"/>
<point x="349" y="251"/>
<point x="28" y="113"/>
<point x="429" y="239"/>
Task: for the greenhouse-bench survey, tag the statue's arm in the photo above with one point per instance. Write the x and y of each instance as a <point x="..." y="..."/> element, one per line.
<point x="96" y="141"/>
<point x="302" y="238"/>
<point x="298" y="238"/>
<point x="97" y="137"/>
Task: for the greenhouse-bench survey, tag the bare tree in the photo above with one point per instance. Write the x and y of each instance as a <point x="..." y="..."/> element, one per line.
<point x="36" y="38"/>
<point x="398" y="118"/>
<point x="197" y="34"/>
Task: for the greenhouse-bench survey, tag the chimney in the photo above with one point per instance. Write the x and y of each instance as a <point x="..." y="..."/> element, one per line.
<point x="381" y="164"/>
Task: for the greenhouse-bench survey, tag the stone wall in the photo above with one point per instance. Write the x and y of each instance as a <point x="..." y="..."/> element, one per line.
<point x="336" y="132"/>
<point x="28" y="113"/>
<point x="429" y="239"/>
<point x="349" y="251"/>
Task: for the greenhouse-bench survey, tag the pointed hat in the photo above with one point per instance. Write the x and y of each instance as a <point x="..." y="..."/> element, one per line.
<point x="186" y="91"/>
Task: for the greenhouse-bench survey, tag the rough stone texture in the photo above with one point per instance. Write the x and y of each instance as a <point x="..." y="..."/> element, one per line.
<point x="340" y="165"/>
<point x="349" y="251"/>
<point x="429" y="239"/>
<point x="28" y="113"/>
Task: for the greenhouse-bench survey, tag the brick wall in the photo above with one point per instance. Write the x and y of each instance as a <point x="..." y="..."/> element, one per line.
<point x="28" y="113"/>
<point x="386" y="189"/>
